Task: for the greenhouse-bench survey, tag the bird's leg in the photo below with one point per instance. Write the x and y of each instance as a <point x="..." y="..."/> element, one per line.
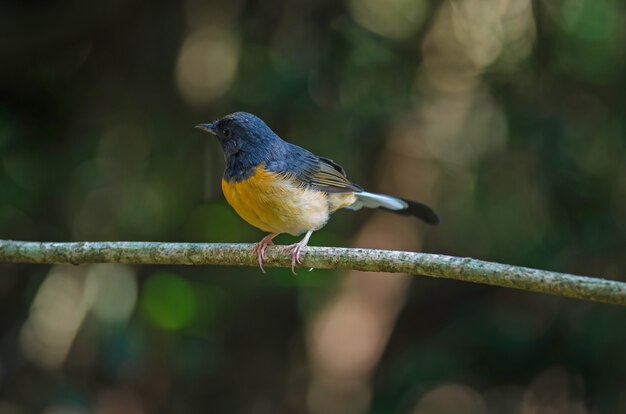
<point x="297" y="248"/>
<point x="259" y="248"/>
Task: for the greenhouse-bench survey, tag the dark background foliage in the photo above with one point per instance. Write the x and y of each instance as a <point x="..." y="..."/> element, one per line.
<point x="508" y="116"/>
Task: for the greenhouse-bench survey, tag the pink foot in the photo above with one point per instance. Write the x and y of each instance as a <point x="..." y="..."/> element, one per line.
<point x="295" y="256"/>
<point x="296" y="250"/>
<point x="259" y="248"/>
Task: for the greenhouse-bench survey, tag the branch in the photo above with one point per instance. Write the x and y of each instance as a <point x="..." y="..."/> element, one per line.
<point x="435" y="265"/>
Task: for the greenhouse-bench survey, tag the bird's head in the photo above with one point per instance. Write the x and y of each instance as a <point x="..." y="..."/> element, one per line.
<point x="245" y="134"/>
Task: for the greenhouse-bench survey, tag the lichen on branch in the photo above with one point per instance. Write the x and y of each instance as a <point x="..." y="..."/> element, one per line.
<point x="368" y="260"/>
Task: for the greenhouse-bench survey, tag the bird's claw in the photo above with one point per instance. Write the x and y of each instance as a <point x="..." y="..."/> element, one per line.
<point x="259" y="250"/>
<point x="296" y="250"/>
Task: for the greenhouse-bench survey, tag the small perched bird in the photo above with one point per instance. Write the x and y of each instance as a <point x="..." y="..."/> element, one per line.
<point x="279" y="187"/>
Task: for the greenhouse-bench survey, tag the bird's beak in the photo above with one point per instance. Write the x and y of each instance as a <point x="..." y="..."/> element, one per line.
<point x="210" y="128"/>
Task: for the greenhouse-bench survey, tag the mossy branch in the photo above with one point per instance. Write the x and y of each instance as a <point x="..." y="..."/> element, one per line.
<point x="434" y="265"/>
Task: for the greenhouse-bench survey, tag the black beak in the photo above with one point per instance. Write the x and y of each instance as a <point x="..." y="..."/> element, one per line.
<point x="210" y="128"/>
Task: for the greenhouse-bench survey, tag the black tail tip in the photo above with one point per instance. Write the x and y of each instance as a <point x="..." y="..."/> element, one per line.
<point x="423" y="212"/>
<point x="431" y="218"/>
<point x="419" y="210"/>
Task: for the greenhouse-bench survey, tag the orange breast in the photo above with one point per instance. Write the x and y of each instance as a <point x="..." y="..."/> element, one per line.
<point x="275" y="203"/>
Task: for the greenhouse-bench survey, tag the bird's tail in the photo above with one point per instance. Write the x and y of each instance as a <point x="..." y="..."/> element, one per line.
<point x="395" y="205"/>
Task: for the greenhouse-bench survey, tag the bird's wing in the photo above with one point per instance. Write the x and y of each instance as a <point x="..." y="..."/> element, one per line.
<point x="310" y="170"/>
<point x="331" y="177"/>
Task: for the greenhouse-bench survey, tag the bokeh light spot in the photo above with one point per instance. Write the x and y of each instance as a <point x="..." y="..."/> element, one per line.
<point x="169" y="301"/>
<point x="593" y="30"/>
<point x="451" y="399"/>
<point x="395" y="19"/>
<point x="55" y="317"/>
<point x="111" y="292"/>
<point x="206" y="65"/>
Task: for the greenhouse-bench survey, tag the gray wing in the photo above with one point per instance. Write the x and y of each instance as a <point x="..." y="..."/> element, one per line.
<point x="310" y="170"/>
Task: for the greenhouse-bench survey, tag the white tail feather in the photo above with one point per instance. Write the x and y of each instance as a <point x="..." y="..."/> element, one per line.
<point x="371" y="200"/>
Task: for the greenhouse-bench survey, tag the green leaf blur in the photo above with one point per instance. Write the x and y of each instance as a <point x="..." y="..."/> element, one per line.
<point x="168" y="301"/>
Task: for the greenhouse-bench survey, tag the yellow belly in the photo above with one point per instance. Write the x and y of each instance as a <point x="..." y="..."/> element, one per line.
<point x="276" y="204"/>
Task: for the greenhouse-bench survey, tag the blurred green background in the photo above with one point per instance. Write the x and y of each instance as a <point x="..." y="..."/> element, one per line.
<point x="507" y="116"/>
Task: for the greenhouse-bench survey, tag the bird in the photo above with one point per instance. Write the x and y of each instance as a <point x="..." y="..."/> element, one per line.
<point x="280" y="187"/>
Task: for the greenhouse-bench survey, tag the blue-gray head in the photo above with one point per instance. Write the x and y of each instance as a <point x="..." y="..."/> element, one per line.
<point x="247" y="142"/>
<point x="241" y="132"/>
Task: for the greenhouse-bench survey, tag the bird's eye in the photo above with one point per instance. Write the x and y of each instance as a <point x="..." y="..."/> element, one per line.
<point x="226" y="132"/>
